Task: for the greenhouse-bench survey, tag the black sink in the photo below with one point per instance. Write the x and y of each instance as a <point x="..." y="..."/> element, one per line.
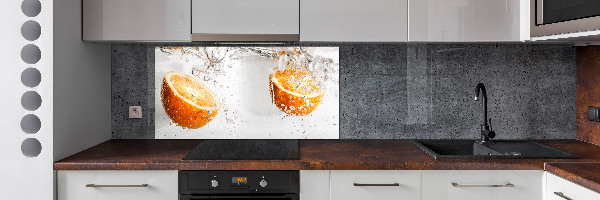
<point x="492" y="149"/>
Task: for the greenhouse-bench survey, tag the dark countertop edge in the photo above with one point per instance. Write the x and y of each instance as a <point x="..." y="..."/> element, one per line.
<point x="94" y="158"/>
<point x="295" y="165"/>
<point x="179" y="168"/>
<point x="145" y="156"/>
<point x="579" y="179"/>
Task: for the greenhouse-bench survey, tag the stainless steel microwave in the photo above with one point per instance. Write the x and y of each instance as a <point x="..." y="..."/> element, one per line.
<point x="557" y="17"/>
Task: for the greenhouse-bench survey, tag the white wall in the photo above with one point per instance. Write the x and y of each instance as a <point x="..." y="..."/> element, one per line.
<point x="82" y="84"/>
<point x="74" y="88"/>
<point x="23" y="177"/>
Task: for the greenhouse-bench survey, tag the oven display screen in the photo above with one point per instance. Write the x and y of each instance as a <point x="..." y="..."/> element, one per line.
<point x="239" y="180"/>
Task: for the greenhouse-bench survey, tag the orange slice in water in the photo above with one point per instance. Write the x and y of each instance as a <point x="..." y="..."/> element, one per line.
<point x="294" y="91"/>
<point x="187" y="101"/>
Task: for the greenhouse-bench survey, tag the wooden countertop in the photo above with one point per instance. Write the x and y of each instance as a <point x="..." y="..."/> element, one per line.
<point x="332" y="155"/>
<point x="315" y="155"/>
<point x="581" y="173"/>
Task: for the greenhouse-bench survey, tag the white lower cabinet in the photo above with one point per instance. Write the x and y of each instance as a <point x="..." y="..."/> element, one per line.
<point x="314" y="184"/>
<point x="375" y="185"/>
<point x="561" y="189"/>
<point x="340" y="185"/>
<point x="482" y="184"/>
<point x="117" y="185"/>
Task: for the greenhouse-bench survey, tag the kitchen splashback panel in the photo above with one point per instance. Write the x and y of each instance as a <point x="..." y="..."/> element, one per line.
<point x="407" y="90"/>
<point x="246" y="92"/>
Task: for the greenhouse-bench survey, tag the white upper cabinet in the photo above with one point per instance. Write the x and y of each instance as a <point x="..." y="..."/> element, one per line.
<point x="468" y="20"/>
<point x="354" y="20"/>
<point x="307" y="20"/>
<point x="136" y="20"/>
<point x="244" y="20"/>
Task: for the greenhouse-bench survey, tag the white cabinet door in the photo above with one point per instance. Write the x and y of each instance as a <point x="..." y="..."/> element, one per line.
<point x="354" y="20"/>
<point x="375" y="185"/>
<point x="314" y="184"/>
<point x="561" y="189"/>
<point x="136" y="20"/>
<point x="117" y="185"/>
<point x="468" y="20"/>
<point x="266" y="17"/>
<point x="482" y="184"/>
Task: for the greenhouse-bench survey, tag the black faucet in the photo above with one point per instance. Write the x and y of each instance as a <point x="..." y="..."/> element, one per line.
<point x="486" y="129"/>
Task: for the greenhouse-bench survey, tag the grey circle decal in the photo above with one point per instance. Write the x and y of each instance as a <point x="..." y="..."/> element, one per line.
<point x="31" y="54"/>
<point x="31" y="100"/>
<point x="31" y="8"/>
<point x="31" y="147"/>
<point x="31" y="30"/>
<point x="31" y="124"/>
<point x="31" y="77"/>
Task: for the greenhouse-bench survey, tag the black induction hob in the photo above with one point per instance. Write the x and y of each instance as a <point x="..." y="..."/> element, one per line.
<point x="245" y="150"/>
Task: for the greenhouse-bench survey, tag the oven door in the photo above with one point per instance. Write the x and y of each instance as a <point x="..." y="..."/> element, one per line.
<point x="235" y="197"/>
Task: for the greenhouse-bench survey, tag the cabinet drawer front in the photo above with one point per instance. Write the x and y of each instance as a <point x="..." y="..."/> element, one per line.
<point x="117" y="185"/>
<point x="354" y="20"/>
<point x="246" y="17"/>
<point x="136" y="20"/>
<point x="482" y="184"/>
<point x="380" y="185"/>
<point x="457" y="21"/>
<point x="555" y="184"/>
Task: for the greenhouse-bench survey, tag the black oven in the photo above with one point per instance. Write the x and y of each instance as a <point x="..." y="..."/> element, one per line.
<point x="232" y="185"/>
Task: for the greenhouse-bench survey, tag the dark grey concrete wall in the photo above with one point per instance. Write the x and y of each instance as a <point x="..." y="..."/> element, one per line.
<point x="132" y="85"/>
<point x="409" y="90"/>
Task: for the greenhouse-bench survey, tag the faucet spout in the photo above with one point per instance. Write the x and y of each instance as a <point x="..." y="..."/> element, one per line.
<point x="481" y="88"/>
<point x="486" y="132"/>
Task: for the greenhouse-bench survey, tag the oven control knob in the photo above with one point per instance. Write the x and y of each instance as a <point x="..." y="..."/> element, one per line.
<point x="263" y="183"/>
<point x="214" y="183"/>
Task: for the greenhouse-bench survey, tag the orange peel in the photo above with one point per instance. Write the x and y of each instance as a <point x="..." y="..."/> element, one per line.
<point x="187" y="101"/>
<point x="295" y="97"/>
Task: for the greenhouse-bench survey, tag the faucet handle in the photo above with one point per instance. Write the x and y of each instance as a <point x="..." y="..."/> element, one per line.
<point x="491" y="134"/>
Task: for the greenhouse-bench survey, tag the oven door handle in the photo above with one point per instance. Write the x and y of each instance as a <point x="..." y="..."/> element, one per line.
<point x="192" y="197"/>
<point x="249" y="197"/>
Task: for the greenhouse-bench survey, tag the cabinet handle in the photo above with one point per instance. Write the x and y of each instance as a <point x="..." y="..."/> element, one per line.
<point x="361" y="184"/>
<point x="505" y="185"/>
<point x="94" y="185"/>
<point x="560" y="194"/>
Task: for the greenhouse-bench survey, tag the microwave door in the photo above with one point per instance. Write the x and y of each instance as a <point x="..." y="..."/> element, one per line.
<point x="556" y="11"/>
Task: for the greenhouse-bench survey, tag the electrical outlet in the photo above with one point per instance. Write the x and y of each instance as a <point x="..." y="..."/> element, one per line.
<point x="135" y="112"/>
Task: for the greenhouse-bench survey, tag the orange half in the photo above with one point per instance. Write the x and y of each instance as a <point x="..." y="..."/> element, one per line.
<point x="294" y="91"/>
<point x="187" y="101"/>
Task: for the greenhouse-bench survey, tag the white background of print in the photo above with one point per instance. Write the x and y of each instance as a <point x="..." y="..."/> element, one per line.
<point x="247" y="111"/>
